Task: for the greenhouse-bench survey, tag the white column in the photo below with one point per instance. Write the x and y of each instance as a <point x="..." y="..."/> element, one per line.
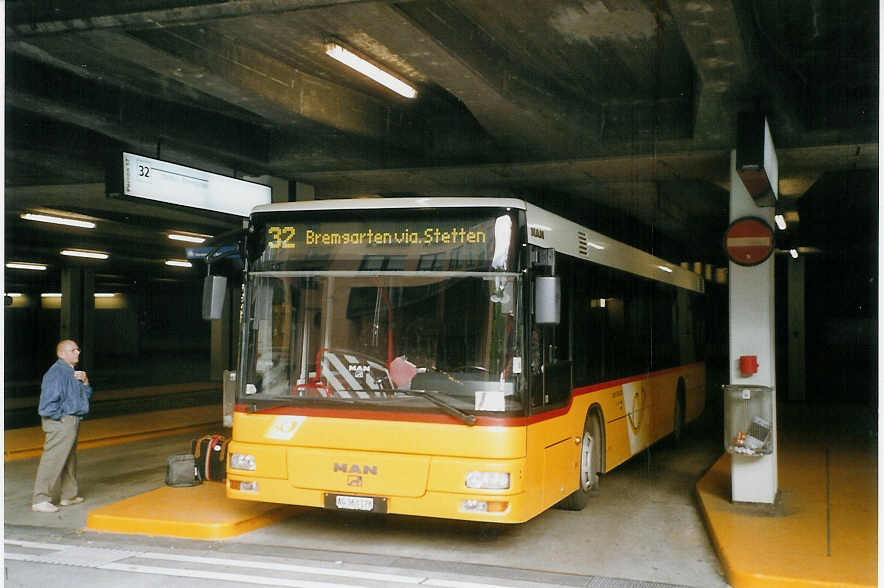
<point x="751" y="289"/>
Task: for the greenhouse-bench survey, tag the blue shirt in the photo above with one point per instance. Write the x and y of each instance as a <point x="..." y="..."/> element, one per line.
<point x="61" y="393"/>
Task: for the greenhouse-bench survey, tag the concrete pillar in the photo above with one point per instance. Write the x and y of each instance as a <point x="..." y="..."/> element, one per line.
<point x="78" y="311"/>
<point x="304" y="192"/>
<point x="797" y="369"/>
<point x="751" y="308"/>
<point x="279" y="190"/>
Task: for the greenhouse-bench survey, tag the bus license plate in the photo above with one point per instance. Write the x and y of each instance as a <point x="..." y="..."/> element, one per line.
<point x="363" y="503"/>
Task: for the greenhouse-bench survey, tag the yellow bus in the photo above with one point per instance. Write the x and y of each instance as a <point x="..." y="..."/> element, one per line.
<point x="465" y="358"/>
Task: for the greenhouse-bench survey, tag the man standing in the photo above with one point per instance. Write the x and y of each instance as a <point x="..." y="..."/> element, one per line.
<point x="64" y="400"/>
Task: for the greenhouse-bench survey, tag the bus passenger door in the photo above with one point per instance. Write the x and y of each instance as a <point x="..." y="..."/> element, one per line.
<point x="550" y="440"/>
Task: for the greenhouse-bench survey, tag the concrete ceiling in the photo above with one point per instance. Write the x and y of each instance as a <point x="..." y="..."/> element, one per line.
<point x="621" y="112"/>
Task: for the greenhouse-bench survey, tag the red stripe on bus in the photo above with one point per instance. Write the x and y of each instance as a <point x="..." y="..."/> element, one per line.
<point x="481" y="421"/>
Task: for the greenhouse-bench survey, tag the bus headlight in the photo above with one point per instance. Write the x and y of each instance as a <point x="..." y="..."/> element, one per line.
<point x="242" y="461"/>
<point x="488" y="480"/>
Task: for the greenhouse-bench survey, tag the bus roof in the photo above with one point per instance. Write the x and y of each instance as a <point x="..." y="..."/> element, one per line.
<point x="545" y="229"/>
<point x="374" y="203"/>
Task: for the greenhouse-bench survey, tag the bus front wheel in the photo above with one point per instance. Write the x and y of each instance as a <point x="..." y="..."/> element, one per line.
<point x="592" y="450"/>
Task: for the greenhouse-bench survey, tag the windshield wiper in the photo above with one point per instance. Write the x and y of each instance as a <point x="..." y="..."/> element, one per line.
<point x="467" y="419"/>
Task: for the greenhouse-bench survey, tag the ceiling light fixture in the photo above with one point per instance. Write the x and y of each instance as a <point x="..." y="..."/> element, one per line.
<point x="178" y="263"/>
<point x="58" y="220"/>
<point x="793" y="253"/>
<point x="14" y="294"/>
<point x="189" y="238"/>
<point x="85" y="253"/>
<point x="50" y="295"/>
<point x="781" y="222"/>
<point x="105" y="294"/>
<point x="369" y="70"/>
<point x="40" y="267"/>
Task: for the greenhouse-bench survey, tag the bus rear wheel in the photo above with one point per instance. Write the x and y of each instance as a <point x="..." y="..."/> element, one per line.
<point x="592" y="450"/>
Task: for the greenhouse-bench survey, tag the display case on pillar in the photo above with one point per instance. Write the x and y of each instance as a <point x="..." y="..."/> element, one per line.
<point x="756" y="158"/>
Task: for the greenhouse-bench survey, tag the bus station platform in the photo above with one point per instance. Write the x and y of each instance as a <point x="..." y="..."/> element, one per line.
<point x="823" y="528"/>
<point x="195" y="512"/>
<point x="28" y="441"/>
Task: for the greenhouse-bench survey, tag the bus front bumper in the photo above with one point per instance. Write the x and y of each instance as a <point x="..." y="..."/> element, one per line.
<point x="499" y="508"/>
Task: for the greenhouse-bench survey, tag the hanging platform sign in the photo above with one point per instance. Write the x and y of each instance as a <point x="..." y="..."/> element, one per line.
<point x="170" y="183"/>
<point x="749" y="241"/>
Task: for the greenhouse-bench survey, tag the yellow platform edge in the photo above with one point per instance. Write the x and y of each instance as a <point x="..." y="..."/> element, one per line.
<point x="27" y="442"/>
<point x="727" y="530"/>
<point x="199" y="512"/>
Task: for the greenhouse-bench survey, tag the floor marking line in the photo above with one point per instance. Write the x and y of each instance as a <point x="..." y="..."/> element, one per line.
<point x="35" y="545"/>
<point x="229" y="577"/>
<point x="461" y="584"/>
<point x="239" y="563"/>
<point x="56" y="551"/>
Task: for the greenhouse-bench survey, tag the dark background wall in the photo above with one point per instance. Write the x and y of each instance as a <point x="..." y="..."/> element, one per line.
<point x="153" y="334"/>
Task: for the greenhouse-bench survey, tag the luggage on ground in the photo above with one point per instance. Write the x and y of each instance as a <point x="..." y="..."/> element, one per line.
<point x="210" y="453"/>
<point x="181" y="470"/>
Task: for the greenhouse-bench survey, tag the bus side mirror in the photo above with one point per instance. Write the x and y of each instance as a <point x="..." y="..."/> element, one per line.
<point x="547" y="300"/>
<point x="214" y="290"/>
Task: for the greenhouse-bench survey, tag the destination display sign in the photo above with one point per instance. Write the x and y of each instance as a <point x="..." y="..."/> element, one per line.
<point x="458" y="242"/>
<point x="284" y="236"/>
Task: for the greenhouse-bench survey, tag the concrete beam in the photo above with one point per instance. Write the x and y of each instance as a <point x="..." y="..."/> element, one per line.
<point x="147" y="126"/>
<point x="711" y="33"/>
<point x="86" y="16"/>
<point x="454" y="53"/>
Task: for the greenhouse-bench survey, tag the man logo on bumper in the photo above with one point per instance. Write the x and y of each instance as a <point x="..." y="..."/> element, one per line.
<point x="356" y="469"/>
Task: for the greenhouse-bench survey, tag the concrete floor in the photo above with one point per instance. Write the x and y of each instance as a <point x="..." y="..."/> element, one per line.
<point x="643" y="527"/>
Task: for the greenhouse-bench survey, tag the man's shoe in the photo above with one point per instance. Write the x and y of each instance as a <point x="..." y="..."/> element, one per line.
<point x="71" y="501"/>
<point x="44" y="507"/>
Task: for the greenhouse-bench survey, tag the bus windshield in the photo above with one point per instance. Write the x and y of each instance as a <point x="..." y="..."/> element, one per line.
<point x="384" y="340"/>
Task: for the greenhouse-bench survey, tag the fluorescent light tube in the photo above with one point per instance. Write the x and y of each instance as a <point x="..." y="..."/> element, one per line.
<point x="58" y="220"/>
<point x="369" y="70"/>
<point x="50" y="295"/>
<point x="187" y="238"/>
<point x="105" y="294"/>
<point x="178" y="263"/>
<point x="84" y="253"/>
<point x="14" y="294"/>
<point x="665" y="269"/>
<point x="781" y="222"/>
<point x="26" y="266"/>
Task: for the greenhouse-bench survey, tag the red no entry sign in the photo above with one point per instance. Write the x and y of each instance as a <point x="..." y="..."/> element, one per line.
<point x="749" y="241"/>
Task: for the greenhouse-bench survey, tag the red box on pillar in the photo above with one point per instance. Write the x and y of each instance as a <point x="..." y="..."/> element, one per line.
<point x="748" y="365"/>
